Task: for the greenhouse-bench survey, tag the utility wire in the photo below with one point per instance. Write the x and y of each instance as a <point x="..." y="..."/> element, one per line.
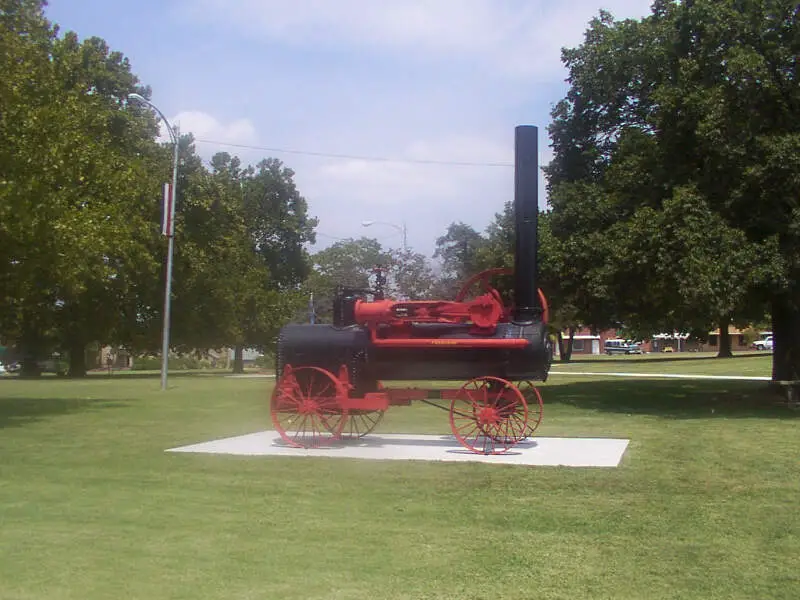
<point x="384" y="159"/>
<point x="347" y="239"/>
<point x="333" y="237"/>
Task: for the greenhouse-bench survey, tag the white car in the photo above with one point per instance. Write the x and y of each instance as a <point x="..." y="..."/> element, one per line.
<point x="765" y="344"/>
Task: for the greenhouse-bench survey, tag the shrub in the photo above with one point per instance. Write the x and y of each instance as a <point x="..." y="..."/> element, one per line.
<point x="146" y="363"/>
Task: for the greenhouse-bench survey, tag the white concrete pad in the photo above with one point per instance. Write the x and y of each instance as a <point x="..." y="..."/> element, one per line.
<point x="569" y="452"/>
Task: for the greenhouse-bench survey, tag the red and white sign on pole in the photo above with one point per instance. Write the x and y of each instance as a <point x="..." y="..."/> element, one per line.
<point x="168" y="217"/>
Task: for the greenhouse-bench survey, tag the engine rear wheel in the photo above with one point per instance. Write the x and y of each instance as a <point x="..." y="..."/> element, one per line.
<point x="535" y="405"/>
<point x="489" y="415"/>
<point x="306" y="407"/>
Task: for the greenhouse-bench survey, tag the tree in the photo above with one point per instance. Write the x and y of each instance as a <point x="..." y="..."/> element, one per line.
<point x="350" y="263"/>
<point x="241" y="257"/>
<point x="75" y="169"/>
<point x="277" y="228"/>
<point x="25" y="41"/>
<point x="111" y="186"/>
<point x="411" y="276"/>
<point x="674" y="166"/>
<point x="210" y="255"/>
<point x="458" y="251"/>
<point x="81" y="257"/>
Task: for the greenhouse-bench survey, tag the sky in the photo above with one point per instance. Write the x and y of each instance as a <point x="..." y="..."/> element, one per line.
<point x="330" y="86"/>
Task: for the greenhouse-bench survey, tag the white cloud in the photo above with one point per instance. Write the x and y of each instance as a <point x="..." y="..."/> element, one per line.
<point x="428" y="197"/>
<point x="422" y="80"/>
<point x="516" y="36"/>
<point x="206" y="127"/>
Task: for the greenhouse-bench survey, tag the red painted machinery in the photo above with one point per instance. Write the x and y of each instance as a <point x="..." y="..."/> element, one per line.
<point x="330" y="378"/>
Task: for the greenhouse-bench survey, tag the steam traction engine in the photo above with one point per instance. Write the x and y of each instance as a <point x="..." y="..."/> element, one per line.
<point x="329" y="377"/>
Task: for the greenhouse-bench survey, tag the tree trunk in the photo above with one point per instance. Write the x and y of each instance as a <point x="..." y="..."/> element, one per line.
<point x="238" y="360"/>
<point x="30" y="346"/>
<point x="570" y="342"/>
<point x="29" y="367"/>
<point x="565" y="352"/>
<point x="786" y="340"/>
<point x="724" y="338"/>
<point x="77" y="359"/>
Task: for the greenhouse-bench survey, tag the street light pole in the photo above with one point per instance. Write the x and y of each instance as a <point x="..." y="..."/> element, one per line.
<point x="401" y="228"/>
<point x="170" y="242"/>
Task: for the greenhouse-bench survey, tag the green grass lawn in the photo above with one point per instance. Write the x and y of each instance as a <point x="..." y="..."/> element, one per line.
<point x="703" y="505"/>
<point x="754" y="364"/>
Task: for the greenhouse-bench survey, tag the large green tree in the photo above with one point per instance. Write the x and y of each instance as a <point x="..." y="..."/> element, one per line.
<point x="278" y="227"/>
<point x="240" y="259"/>
<point x="674" y="181"/>
<point x="76" y="169"/>
<point x="209" y="252"/>
<point x="81" y="258"/>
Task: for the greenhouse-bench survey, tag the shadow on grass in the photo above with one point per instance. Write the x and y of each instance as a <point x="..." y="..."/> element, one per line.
<point x="671" y="399"/>
<point x="15" y="412"/>
<point x="124" y="376"/>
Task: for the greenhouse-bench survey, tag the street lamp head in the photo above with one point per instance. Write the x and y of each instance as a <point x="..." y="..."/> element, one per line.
<point x="367" y="223"/>
<point x="173" y="132"/>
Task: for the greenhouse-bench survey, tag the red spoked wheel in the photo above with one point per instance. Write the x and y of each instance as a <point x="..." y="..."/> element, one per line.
<point x="489" y="415"/>
<point x="485" y="276"/>
<point x="361" y="422"/>
<point x="535" y="405"/>
<point x="306" y="407"/>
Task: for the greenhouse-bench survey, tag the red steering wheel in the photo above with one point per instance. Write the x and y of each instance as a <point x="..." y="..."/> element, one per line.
<point x="484" y="277"/>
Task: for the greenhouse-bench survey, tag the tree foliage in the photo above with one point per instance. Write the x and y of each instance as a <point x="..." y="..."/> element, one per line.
<point x="74" y="173"/>
<point x="349" y="263"/>
<point x="674" y="182"/>
<point x="458" y="251"/>
<point x="81" y="255"/>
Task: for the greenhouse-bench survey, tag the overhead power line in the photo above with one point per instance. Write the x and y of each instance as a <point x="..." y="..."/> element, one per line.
<point x="384" y="159"/>
<point x="347" y="239"/>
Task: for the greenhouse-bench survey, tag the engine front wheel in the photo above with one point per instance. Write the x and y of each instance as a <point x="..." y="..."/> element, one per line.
<point x="306" y="407"/>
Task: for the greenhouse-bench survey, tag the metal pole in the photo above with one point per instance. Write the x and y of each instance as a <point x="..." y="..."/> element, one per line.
<point x="173" y="133"/>
<point x="168" y="276"/>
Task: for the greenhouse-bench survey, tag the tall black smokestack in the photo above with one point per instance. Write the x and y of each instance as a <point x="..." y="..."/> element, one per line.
<point x="526" y="220"/>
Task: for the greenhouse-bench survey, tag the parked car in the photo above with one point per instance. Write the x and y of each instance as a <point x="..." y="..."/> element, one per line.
<point x="765" y="344"/>
<point x="621" y="347"/>
<point x="50" y="365"/>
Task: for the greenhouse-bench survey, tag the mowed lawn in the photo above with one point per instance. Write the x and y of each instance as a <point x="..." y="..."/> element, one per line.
<point x="705" y="504"/>
<point x="749" y="364"/>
